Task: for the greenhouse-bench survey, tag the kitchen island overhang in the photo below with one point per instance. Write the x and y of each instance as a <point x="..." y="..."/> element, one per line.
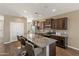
<point x="48" y="45"/>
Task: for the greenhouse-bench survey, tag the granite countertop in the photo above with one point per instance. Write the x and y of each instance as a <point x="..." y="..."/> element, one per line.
<point x="62" y="35"/>
<point x="40" y="41"/>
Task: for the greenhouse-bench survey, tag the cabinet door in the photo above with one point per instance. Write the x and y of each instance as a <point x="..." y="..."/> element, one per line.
<point x="47" y="23"/>
<point x="59" y="24"/>
<point x="62" y="23"/>
<point x="54" y="24"/>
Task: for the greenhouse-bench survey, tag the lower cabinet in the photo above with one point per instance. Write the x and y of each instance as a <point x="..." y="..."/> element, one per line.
<point x="61" y="41"/>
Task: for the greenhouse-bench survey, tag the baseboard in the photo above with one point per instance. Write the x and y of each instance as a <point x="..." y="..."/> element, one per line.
<point x="6" y="42"/>
<point x="9" y="42"/>
<point x="73" y="48"/>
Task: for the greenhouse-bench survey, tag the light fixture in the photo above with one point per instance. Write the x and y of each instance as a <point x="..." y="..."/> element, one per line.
<point x="36" y="13"/>
<point x="40" y="15"/>
<point x="53" y="10"/>
<point x="25" y="11"/>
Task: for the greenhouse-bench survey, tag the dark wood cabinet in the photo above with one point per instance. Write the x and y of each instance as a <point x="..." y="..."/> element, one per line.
<point x="47" y="23"/>
<point x="57" y="24"/>
<point x="61" y="23"/>
<point x="54" y="24"/>
<point x="61" y="41"/>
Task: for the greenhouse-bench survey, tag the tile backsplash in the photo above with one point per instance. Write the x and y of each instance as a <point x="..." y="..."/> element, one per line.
<point x="57" y="31"/>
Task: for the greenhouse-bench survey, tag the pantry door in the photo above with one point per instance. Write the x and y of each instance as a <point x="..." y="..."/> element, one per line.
<point x="16" y="29"/>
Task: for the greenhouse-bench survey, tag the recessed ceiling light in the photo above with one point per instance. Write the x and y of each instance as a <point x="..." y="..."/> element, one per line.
<point x="53" y="10"/>
<point x="25" y="11"/>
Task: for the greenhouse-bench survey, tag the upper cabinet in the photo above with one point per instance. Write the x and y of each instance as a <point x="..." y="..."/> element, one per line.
<point x="54" y="24"/>
<point x="47" y="23"/>
<point x="57" y="24"/>
<point x="39" y="24"/>
<point x="62" y="23"/>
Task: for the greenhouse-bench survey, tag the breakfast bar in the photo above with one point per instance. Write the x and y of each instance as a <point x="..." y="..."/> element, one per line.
<point x="48" y="45"/>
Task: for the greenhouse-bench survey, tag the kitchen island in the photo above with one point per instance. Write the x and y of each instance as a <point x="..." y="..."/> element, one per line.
<point x="62" y="40"/>
<point x="48" y="45"/>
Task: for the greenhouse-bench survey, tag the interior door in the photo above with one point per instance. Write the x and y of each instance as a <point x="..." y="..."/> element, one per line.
<point x="16" y="29"/>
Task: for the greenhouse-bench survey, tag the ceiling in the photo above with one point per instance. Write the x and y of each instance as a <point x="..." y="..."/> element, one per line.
<point x="37" y="10"/>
